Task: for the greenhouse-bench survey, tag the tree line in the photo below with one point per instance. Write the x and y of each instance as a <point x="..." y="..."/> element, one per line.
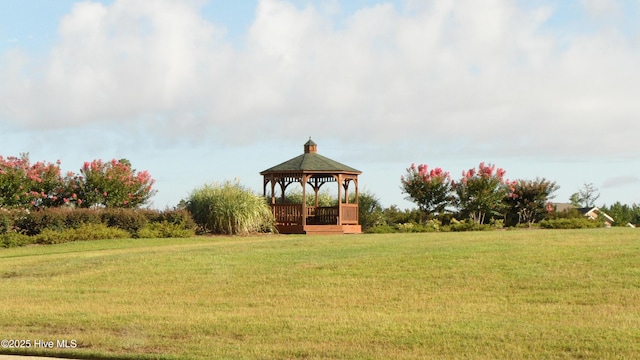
<point x="482" y="194"/>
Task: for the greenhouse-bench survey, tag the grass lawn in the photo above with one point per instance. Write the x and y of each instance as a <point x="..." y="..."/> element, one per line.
<point x="501" y="294"/>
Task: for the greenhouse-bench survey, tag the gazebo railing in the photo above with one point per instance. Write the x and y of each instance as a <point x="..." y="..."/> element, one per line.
<point x="291" y="214"/>
<point x="322" y="215"/>
<point x="349" y="214"/>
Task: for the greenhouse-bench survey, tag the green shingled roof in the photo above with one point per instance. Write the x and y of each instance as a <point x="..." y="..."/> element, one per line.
<point x="309" y="162"/>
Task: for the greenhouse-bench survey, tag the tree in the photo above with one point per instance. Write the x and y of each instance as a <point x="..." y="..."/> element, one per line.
<point x="27" y="185"/>
<point x="429" y="189"/>
<point x="482" y="191"/>
<point x="529" y="199"/>
<point x="393" y="215"/>
<point x="369" y="210"/>
<point x="575" y="199"/>
<point x="622" y="213"/>
<point x="586" y="196"/>
<point x="111" y="184"/>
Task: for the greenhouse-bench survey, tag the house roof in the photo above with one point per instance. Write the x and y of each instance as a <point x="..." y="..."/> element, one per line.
<point x="587" y="211"/>
<point x="311" y="161"/>
<point x="560" y="207"/>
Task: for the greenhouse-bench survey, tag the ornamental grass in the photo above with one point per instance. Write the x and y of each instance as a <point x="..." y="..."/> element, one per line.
<point x="229" y="208"/>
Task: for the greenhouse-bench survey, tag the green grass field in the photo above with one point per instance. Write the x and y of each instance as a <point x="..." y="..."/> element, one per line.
<point x="502" y="294"/>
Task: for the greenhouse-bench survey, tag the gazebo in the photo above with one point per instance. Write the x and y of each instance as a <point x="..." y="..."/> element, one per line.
<point x="314" y="170"/>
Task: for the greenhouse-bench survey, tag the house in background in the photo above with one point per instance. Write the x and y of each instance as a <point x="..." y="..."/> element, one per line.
<point x="593" y="213"/>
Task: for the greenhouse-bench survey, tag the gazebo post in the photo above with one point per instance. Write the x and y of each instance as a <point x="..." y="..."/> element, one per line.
<point x="283" y="187"/>
<point x="273" y="190"/>
<point x="303" y="182"/>
<point x="339" y="199"/>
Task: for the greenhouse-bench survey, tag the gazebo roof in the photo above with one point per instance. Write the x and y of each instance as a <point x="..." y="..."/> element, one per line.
<point x="311" y="161"/>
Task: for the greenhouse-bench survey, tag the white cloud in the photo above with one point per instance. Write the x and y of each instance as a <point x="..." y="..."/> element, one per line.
<point x="480" y="75"/>
<point x="620" y="181"/>
<point x="602" y="8"/>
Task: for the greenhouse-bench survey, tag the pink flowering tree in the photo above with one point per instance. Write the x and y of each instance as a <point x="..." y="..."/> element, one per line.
<point x="27" y="185"/>
<point x="429" y="189"/>
<point x="111" y="184"/>
<point x="530" y="201"/>
<point x="482" y="191"/>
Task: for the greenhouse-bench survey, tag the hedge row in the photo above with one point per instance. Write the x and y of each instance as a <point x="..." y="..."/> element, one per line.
<point x="469" y="225"/>
<point x="436" y="226"/>
<point x="56" y="225"/>
<point x="571" y="223"/>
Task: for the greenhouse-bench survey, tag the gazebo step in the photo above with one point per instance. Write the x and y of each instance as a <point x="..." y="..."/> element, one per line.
<point x="332" y="229"/>
<point x="319" y="229"/>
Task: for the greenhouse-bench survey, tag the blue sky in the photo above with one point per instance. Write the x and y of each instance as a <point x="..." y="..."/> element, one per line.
<point x="202" y="91"/>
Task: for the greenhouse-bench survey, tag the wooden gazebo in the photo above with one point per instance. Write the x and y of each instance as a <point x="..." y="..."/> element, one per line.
<point x="315" y="170"/>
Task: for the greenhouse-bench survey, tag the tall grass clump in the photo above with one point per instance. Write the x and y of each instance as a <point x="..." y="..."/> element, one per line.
<point x="229" y="208"/>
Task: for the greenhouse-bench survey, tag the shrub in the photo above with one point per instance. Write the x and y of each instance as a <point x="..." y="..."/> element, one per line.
<point x="381" y="229"/>
<point x="179" y="217"/>
<point x="164" y="229"/>
<point x="84" y="232"/>
<point x="6" y="221"/>
<point x="229" y="209"/>
<point x="467" y="225"/>
<point x="128" y="220"/>
<point x="78" y="217"/>
<point x="406" y="227"/>
<point x="60" y="225"/>
<point x="570" y="223"/>
<point x="34" y="222"/>
<point x="13" y="239"/>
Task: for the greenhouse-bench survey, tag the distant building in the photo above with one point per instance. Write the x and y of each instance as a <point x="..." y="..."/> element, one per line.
<point x="593" y="213"/>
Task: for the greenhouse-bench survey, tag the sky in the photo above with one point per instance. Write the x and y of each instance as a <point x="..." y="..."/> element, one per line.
<point x="198" y="92"/>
